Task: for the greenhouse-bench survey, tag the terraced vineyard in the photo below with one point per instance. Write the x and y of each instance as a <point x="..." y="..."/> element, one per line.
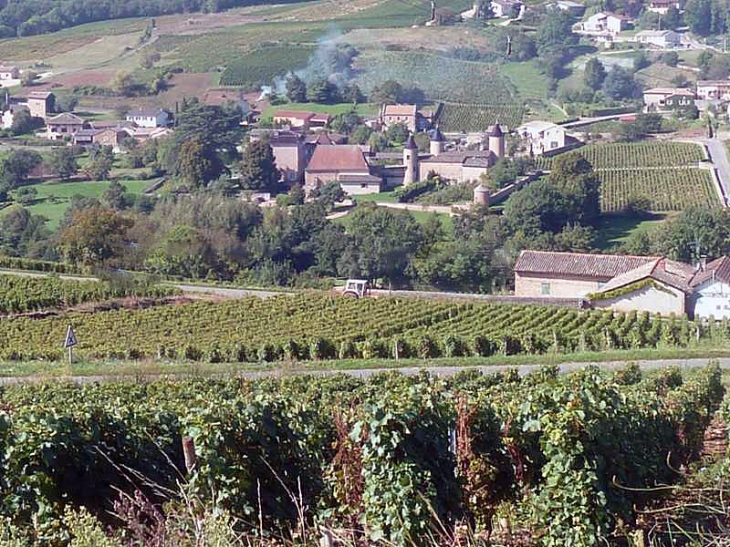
<point x="667" y="189"/>
<point x="262" y="66"/>
<point x="311" y="326"/>
<point x="441" y="78"/>
<point x="667" y="173"/>
<point x="478" y="117"/>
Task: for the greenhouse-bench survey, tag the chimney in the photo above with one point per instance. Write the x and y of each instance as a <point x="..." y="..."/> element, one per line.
<point x="702" y="264"/>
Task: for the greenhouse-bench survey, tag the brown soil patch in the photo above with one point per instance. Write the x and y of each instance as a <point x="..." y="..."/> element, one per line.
<point x="199" y="23"/>
<point x="130" y="303"/>
<point x="716" y="439"/>
<point x="99" y="78"/>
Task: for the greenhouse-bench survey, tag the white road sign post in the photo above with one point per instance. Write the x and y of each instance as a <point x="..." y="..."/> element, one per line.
<point x="70" y="343"/>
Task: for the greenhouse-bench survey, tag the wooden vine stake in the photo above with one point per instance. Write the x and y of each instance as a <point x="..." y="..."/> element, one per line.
<point x="188" y="445"/>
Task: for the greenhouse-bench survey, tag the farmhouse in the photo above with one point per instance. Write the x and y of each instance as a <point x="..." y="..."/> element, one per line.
<point x="64" y="125"/>
<point x="667" y="99"/>
<point x="224" y="96"/>
<point x="9" y="73"/>
<point x="543" y="136"/>
<point x="713" y="89"/>
<point x="143" y="134"/>
<point x="627" y="283"/>
<point x="148" y="117"/>
<point x="659" y="38"/>
<point x="41" y="103"/>
<point x="345" y="164"/>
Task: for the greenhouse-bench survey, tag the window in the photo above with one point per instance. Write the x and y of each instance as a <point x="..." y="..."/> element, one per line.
<point x="544" y="288"/>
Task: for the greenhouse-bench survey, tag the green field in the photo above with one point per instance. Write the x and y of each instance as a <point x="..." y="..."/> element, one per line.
<point x="262" y="66"/>
<point x="613" y="230"/>
<point x="55" y="197"/>
<point x="367" y="109"/>
<point x="478" y="117"/>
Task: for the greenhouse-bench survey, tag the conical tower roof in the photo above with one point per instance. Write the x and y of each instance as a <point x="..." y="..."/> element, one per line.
<point x="437" y="136"/>
<point x="411" y="143"/>
<point x="496" y="131"/>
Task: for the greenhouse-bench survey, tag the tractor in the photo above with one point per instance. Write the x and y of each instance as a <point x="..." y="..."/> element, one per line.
<point x="356" y="288"/>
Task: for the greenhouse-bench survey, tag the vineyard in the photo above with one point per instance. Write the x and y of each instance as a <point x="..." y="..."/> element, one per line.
<point x="318" y="327"/>
<point x="667" y="190"/>
<point x="263" y="66"/>
<point x="26" y="294"/>
<point x="666" y="173"/>
<point x="560" y="460"/>
<point x="441" y="78"/>
<point x="478" y="117"/>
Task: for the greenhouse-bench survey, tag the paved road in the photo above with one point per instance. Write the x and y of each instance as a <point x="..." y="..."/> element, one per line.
<point x="719" y="156"/>
<point x="443" y="371"/>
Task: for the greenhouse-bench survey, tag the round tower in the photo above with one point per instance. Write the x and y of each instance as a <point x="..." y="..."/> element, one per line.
<point x="410" y="161"/>
<point x="497" y="141"/>
<point x="481" y="195"/>
<point x="437" y="142"/>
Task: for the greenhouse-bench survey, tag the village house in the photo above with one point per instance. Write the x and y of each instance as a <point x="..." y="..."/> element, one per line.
<point x="84" y="137"/>
<point x="576" y="9"/>
<point x="506" y="8"/>
<point x="662" y="6"/>
<point x="289" y="152"/>
<point x="9" y="114"/>
<point x="148" y="117"/>
<point x="143" y="134"/>
<point x="664" y="39"/>
<point x="41" y="103"/>
<point x="9" y="73"/>
<point x="602" y="23"/>
<point x="222" y="96"/>
<point x="543" y="136"/>
<point x="64" y="125"/>
<point x="293" y="118"/>
<point x="713" y="89"/>
<point x="627" y="283"/>
<point x="668" y="99"/>
<point x="405" y="114"/>
<point x="345" y="164"/>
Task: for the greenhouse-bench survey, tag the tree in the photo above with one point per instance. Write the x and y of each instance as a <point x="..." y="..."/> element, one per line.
<point x="389" y="92"/>
<point x="695" y="232"/>
<point x="115" y="197"/>
<point x="122" y="83"/>
<point x="24" y="123"/>
<point x="329" y="194"/>
<point x="672" y="19"/>
<point x="16" y="168"/>
<point x="573" y="175"/>
<point x="194" y="167"/>
<point x="377" y="142"/>
<point x="641" y="61"/>
<point x="296" y="89"/>
<point x="556" y="29"/>
<point x="95" y="237"/>
<point x="149" y="60"/>
<point x="360" y="134"/>
<point x="670" y="58"/>
<point x="22" y="233"/>
<point x="351" y="93"/>
<point x="397" y="133"/>
<point x="101" y="161"/>
<point x="698" y="16"/>
<point x="28" y="78"/>
<point x="258" y="167"/>
<point x="619" y="84"/>
<point x="63" y="162"/>
<point x="66" y="103"/>
<point x="322" y="92"/>
<point x="345" y="122"/>
<point x="594" y="74"/>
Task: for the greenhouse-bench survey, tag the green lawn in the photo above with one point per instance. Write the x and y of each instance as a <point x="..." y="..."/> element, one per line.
<point x="367" y="109"/>
<point x="386" y="197"/>
<point x="527" y="78"/>
<point x="55" y="197"/>
<point x="616" y="229"/>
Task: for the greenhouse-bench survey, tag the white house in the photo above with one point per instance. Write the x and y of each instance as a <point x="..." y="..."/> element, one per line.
<point x="9" y="114"/>
<point x="712" y="290"/>
<point x="542" y="136"/>
<point x="602" y="23"/>
<point x="506" y="8"/>
<point x="713" y="89"/>
<point x="659" y="38"/>
<point x="148" y="117"/>
<point x="9" y="73"/>
<point x="666" y="99"/>
<point x="662" y="6"/>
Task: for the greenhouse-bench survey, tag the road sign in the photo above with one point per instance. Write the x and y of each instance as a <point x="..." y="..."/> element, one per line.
<point x="70" y="338"/>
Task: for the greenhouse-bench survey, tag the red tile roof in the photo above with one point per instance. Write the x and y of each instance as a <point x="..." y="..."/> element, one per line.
<point x="400" y="110"/>
<point x="338" y="158"/>
<point x="674" y="274"/>
<point x="717" y="269"/>
<point x="600" y="267"/>
<point x="294" y="115"/>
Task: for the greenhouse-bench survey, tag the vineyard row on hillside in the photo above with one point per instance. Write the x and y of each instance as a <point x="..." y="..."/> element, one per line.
<point x="310" y="326"/>
<point x="478" y="117"/>
<point x="391" y="460"/>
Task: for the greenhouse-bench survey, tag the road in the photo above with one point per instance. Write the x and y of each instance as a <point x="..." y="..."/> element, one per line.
<point x="443" y="371"/>
<point x="718" y="155"/>
<point x="229" y="293"/>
